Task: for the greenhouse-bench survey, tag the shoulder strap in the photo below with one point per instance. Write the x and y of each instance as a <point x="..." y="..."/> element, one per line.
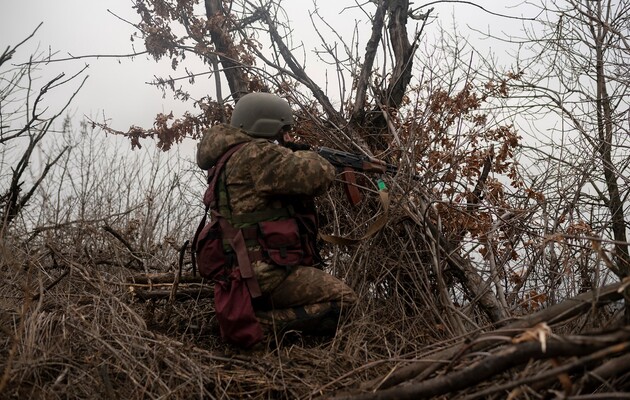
<point x="215" y="172"/>
<point x="209" y="196"/>
<point x="372" y="229"/>
<point x="233" y="235"/>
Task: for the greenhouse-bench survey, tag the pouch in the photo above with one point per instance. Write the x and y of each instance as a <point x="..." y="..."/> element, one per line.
<point x="235" y="313"/>
<point x="211" y="258"/>
<point x="281" y="242"/>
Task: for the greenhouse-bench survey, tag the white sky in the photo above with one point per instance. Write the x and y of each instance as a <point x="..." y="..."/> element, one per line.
<point x="118" y="88"/>
<point x="84" y="27"/>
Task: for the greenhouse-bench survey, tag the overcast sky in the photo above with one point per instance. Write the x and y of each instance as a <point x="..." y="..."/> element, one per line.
<point x="85" y="27"/>
<point x="117" y="87"/>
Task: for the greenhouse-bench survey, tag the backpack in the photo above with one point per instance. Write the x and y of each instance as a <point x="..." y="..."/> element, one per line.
<point x="233" y="287"/>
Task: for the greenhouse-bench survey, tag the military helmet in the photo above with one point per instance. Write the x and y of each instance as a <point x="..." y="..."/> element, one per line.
<point x="261" y="114"/>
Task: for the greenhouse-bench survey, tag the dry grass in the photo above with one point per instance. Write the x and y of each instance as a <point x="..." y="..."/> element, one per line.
<point x="72" y="329"/>
<point x="85" y="338"/>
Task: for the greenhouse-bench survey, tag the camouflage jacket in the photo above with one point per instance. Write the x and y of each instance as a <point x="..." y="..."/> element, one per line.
<point x="261" y="172"/>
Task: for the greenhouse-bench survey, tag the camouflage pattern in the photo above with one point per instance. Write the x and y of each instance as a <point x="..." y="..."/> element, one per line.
<point x="257" y="176"/>
<point x="269" y="276"/>
<point x="308" y="285"/>
<point x="309" y="300"/>
<point x="315" y="319"/>
<point x="262" y="171"/>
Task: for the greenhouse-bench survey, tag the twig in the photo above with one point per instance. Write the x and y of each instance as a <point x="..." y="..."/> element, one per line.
<point x="182" y="252"/>
<point x="122" y="240"/>
<point x="52" y="284"/>
<point x="554" y="372"/>
<point x="167" y="278"/>
<point x="556" y="313"/>
<point x="594" y="347"/>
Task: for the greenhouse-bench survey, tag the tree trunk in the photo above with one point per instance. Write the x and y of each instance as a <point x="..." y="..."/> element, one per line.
<point x="235" y="75"/>
<point x="378" y="21"/>
<point x="605" y="133"/>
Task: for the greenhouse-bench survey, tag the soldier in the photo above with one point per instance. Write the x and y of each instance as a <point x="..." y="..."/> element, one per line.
<point x="260" y="248"/>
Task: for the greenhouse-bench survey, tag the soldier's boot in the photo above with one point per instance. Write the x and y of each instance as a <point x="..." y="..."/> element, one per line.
<point x="313" y="319"/>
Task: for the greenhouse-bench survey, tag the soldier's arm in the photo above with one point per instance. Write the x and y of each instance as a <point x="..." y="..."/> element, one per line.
<point x="278" y="170"/>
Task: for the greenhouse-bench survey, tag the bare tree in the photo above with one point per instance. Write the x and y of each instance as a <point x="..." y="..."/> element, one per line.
<point x="573" y="68"/>
<point x="227" y="37"/>
<point x="25" y="120"/>
<point x="467" y="242"/>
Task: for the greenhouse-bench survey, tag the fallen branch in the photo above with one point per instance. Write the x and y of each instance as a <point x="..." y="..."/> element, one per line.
<point x="52" y="284"/>
<point x="554" y="314"/>
<point x="165" y="294"/>
<point x="148" y="279"/>
<point x="605" y="372"/>
<point x="136" y="256"/>
<point x="594" y="347"/>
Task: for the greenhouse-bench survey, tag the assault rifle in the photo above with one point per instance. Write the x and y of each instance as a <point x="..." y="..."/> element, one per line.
<point x="348" y="163"/>
<point x="356" y="162"/>
<point x="342" y="159"/>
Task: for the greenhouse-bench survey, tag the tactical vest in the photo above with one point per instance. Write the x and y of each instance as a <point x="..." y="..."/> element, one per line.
<point x="226" y="248"/>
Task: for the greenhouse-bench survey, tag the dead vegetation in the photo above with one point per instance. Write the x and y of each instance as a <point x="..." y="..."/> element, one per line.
<point x="75" y="327"/>
<point x="499" y="273"/>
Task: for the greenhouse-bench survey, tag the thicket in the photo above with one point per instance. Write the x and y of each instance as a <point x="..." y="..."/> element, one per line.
<point x="500" y="272"/>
